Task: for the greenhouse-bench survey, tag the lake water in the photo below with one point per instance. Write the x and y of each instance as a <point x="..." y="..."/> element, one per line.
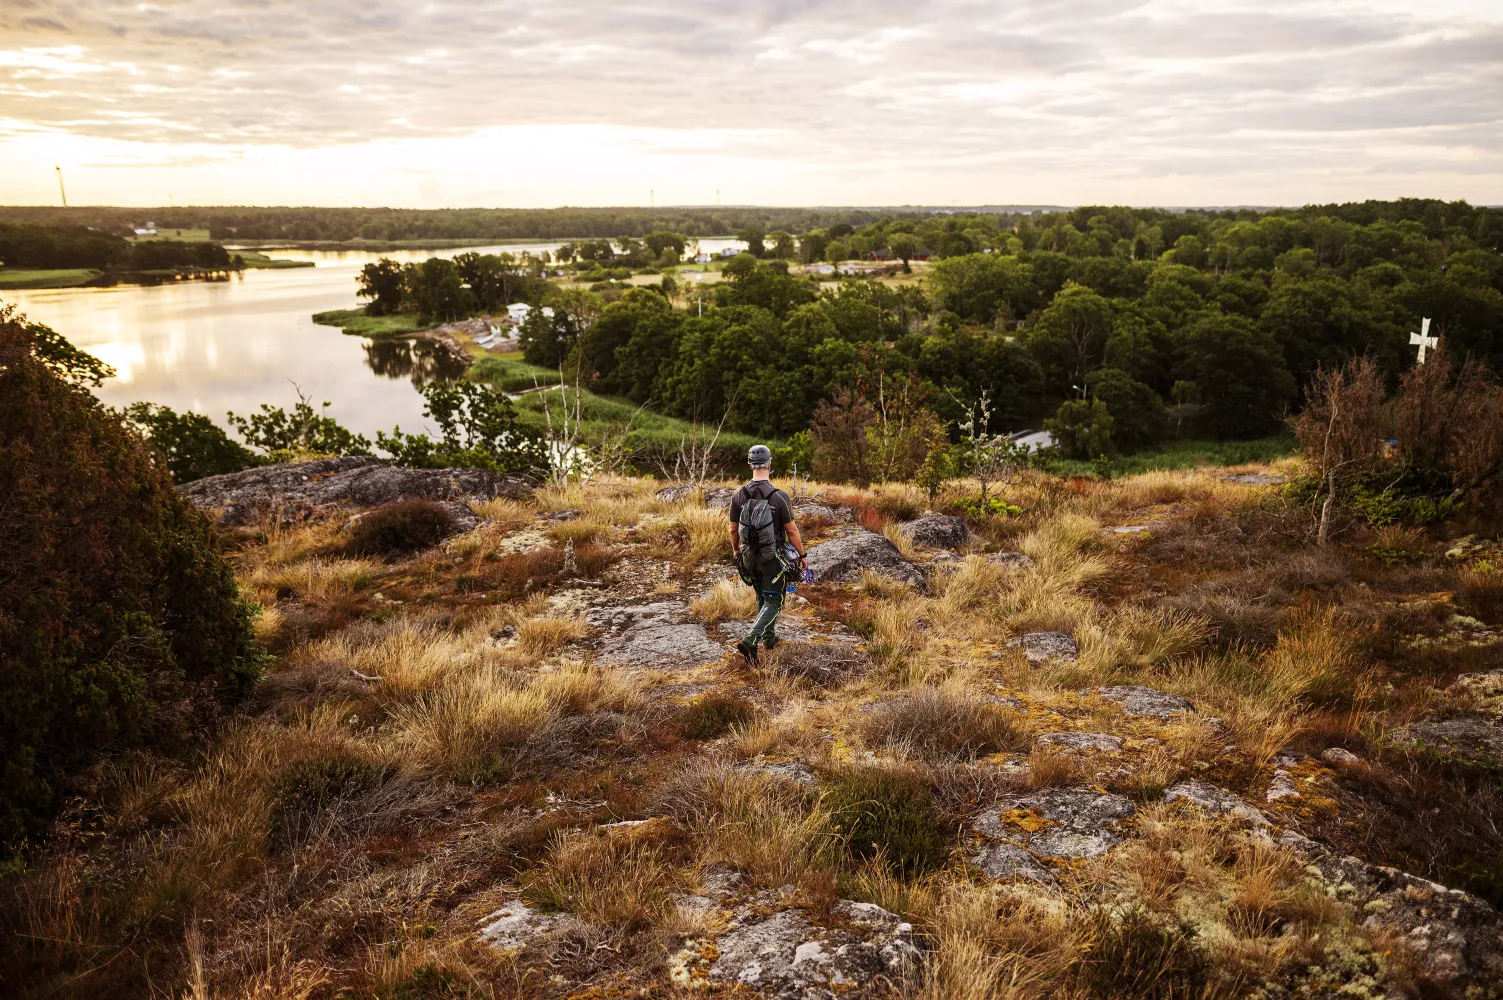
<point x="217" y="346"/>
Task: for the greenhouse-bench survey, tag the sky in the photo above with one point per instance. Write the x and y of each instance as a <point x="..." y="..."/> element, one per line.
<point x="433" y="103"/>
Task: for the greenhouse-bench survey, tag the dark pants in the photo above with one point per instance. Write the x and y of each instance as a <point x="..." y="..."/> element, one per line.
<point x="769" y="587"/>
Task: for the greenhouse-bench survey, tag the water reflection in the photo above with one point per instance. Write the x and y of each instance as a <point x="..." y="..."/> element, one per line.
<point x="421" y="361"/>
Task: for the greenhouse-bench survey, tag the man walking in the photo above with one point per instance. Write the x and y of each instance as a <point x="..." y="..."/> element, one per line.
<point x="768" y="548"/>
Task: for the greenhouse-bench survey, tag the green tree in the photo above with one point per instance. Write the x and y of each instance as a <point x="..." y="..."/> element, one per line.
<point x="1239" y="369"/>
<point x="478" y="429"/>
<point x="784" y="246"/>
<point x="191" y="444"/>
<point x="662" y="242"/>
<point x="120" y="621"/>
<point x="1139" y="417"/>
<point x="752" y="236"/>
<point x="435" y="290"/>
<point x="301" y="432"/>
<point x="1070" y="337"/>
<point x="903" y="247"/>
<point x="382" y="282"/>
<point x="1082" y="428"/>
<point x="936" y="471"/>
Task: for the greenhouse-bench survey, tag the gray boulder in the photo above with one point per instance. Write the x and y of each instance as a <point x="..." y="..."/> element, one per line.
<point x="1145" y="702"/>
<point x="841" y="559"/>
<point x="295" y="490"/>
<point x="784" y="955"/>
<point x="657" y="634"/>
<point x="1214" y="800"/>
<point x="516" y="925"/>
<point x="1011" y="560"/>
<point x="1042" y="646"/>
<point x="1476" y="738"/>
<point x="938" y="531"/>
<point x="1456" y="938"/>
<point x="1081" y="742"/>
<point x="1049" y="823"/>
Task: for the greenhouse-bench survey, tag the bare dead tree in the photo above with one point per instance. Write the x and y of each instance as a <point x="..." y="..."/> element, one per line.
<point x="696" y="454"/>
<point x="1343" y="428"/>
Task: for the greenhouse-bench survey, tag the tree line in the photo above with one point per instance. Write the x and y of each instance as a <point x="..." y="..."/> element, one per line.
<point x="31" y="245"/>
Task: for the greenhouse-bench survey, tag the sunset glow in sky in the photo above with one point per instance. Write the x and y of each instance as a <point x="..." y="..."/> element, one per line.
<point x="489" y="102"/>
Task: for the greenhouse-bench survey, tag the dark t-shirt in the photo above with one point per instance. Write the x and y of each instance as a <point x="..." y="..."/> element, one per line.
<point x="782" y="507"/>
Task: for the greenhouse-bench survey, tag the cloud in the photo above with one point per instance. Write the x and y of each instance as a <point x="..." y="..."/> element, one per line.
<point x="905" y="91"/>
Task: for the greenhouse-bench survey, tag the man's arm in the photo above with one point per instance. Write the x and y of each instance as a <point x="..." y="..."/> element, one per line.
<point x="735" y="541"/>
<point x="791" y="529"/>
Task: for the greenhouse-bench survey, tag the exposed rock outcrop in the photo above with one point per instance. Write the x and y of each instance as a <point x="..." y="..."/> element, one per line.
<point x="657" y="634"/>
<point x="1017" y="831"/>
<point x="516" y="925"/>
<point x="292" y="491"/>
<point x="1011" y="560"/>
<point x="1456" y="938"/>
<point x="1043" y="646"/>
<point x="1476" y="738"/>
<point x="1213" y="800"/>
<point x="1145" y="702"/>
<point x="938" y="531"/>
<point x="841" y="559"/>
<point x="1081" y="742"/>
<point x="788" y="954"/>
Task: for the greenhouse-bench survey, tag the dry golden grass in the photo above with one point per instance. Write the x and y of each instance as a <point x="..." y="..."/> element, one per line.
<point x="464" y="722"/>
<point x="580" y="688"/>
<point x="504" y="509"/>
<point x="902" y="542"/>
<point x="578" y="531"/>
<point x="991" y="943"/>
<point x="728" y="600"/>
<point x="411" y="656"/>
<point x="543" y="636"/>
<point x="313" y="579"/>
<point x="757" y="824"/>
<point x="268" y="623"/>
<point x="937" y="723"/>
<point x="612" y="881"/>
<point x="707" y="533"/>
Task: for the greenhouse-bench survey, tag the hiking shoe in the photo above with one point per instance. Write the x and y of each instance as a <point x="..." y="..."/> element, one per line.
<point x="748" y="649"/>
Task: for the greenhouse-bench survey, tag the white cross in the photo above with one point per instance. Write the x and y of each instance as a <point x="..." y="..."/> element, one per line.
<point x="1423" y="340"/>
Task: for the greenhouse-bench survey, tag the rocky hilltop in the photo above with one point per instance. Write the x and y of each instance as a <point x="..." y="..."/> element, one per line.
<point x="1144" y="739"/>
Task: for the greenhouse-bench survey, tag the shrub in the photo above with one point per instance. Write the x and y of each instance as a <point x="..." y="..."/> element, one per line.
<point x="306" y="792"/>
<point x="1082" y="428"/>
<point x="1133" y="957"/>
<point x="934" y="723"/>
<point x="715" y="715"/>
<point x="405" y="526"/>
<point x="119" y="618"/>
<point x="888" y="814"/>
<point x="979" y="507"/>
<point x="192" y="445"/>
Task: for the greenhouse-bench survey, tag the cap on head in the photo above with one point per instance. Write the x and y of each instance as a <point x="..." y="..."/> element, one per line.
<point x="759" y="456"/>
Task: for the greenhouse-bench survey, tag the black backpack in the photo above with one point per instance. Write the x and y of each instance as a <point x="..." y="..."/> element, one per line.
<point x="758" y="529"/>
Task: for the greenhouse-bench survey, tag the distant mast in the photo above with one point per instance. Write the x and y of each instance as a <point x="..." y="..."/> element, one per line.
<point x="61" y="190"/>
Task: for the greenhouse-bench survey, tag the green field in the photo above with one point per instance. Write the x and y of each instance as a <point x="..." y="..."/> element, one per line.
<point x="509" y="373"/>
<point x="358" y="323"/>
<point x="255" y="261"/>
<point x="181" y="235"/>
<point x="58" y="278"/>
<point x="654" y="438"/>
<point x="1191" y="454"/>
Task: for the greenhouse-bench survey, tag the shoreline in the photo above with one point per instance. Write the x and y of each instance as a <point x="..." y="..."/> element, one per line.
<point x="455" y="243"/>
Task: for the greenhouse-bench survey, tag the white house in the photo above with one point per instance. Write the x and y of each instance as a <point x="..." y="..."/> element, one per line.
<point x="728" y="252"/>
<point x="517" y="312"/>
<point x="702" y="258"/>
<point x="1034" y="440"/>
